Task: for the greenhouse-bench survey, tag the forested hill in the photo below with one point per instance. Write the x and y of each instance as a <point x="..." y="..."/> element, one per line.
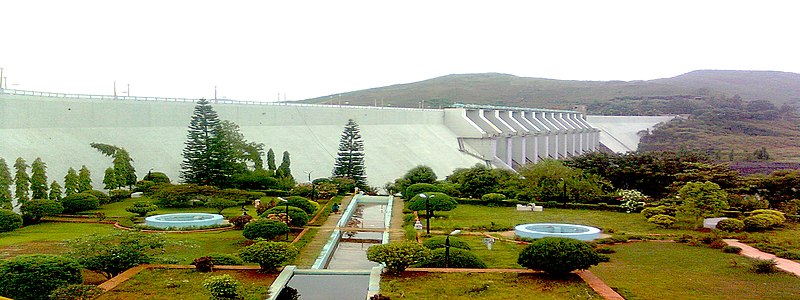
<point x="510" y="90"/>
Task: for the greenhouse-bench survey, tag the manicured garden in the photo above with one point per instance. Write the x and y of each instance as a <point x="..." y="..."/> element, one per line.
<point x="186" y="284"/>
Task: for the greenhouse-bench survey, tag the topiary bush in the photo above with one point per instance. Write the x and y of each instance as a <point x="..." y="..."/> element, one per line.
<point x="659" y="210"/>
<point x="240" y="221"/>
<point x="102" y="197"/>
<point x="731" y="225"/>
<point x="437" y="242"/>
<point x="398" y="256"/>
<point x="36" y="276"/>
<point x="224" y="287"/>
<point x="9" y="220"/>
<point x="558" y="256"/>
<point x="265" y="229"/>
<point x="141" y="208"/>
<point x="76" y="292"/>
<point x="156" y="177"/>
<point x="761" y="222"/>
<point x="79" y="202"/>
<point x="302" y="203"/>
<point x="772" y="212"/>
<point x="299" y="217"/>
<point x="221" y="259"/>
<point x="663" y="221"/>
<point x="34" y="210"/>
<point x="268" y="255"/>
<point x="493" y="199"/>
<point x="459" y="258"/>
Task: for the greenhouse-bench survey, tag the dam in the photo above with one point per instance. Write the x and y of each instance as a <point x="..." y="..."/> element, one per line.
<point x="59" y="128"/>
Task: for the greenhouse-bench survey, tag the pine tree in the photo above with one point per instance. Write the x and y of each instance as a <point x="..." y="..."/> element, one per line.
<point x="124" y="170"/>
<point x="285" y="170"/>
<point x="84" y="179"/>
<point x="110" y="179"/>
<point x="271" y="160"/>
<point x="21" y="181"/>
<point x="350" y="160"/>
<point x="71" y="182"/>
<point x="38" y="179"/>
<point x="55" y="191"/>
<point x="5" y="185"/>
<point x="206" y="159"/>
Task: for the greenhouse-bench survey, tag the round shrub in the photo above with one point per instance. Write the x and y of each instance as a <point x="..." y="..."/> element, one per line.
<point x="437" y="242"/>
<point x="732" y="249"/>
<point x="663" y="221"/>
<point x="223" y="287"/>
<point x="119" y="195"/>
<point x="558" y="256"/>
<point x="776" y="213"/>
<point x="239" y="221"/>
<point x="9" y="220"/>
<point x="659" y="210"/>
<point x="141" y="208"/>
<point x="102" y="197"/>
<point x="268" y="255"/>
<point x="299" y="217"/>
<point x="264" y="228"/>
<point x="156" y="177"/>
<point x="80" y="202"/>
<point x="761" y="222"/>
<point x="493" y="198"/>
<point x="436" y="201"/>
<point x="36" y="276"/>
<point x="398" y="256"/>
<point x="459" y="258"/>
<point x="221" y="259"/>
<point x="302" y="203"/>
<point x="730" y="225"/>
<point x="76" y="292"/>
<point x="35" y="209"/>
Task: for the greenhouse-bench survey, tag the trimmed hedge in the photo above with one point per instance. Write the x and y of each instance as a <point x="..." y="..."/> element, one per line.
<point x="302" y="203"/>
<point x="80" y="202"/>
<point x="730" y="225"/>
<point x="761" y="222"/>
<point x="35" y="209"/>
<point x="9" y="220"/>
<point x="264" y="228"/>
<point x="558" y="256"/>
<point x="36" y="276"/>
<point x="663" y="221"/>
<point x="776" y="213"/>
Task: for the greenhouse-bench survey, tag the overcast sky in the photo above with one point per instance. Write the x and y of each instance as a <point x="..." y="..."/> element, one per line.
<point x="254" y="50"/>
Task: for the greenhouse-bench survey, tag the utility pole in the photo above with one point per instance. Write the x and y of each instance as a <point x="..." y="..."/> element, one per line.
<point x="1" y="78"/>
<point x="128" y="93"/>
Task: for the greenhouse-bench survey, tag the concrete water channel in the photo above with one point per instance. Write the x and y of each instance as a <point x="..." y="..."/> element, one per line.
<point x="342" y="271"/>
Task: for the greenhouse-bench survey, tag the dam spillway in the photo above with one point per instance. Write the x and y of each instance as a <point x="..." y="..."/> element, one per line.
<point x="59" y="128"/>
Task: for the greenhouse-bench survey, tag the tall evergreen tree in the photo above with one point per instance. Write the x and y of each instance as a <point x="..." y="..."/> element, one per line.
<point x="285" y="170"/>
<point x="21" y="181"/>
<point x="271" y="160"/>
<point x="110" y="179"/>
<point x="38" y="179"/>
<point x="5" y="185"/>
<point x="84" y="179"/>
<point x="350" y="158"/>
<point x="124" y="172"/>
<point x="71" y="182"/>
<point x="55" y="191"/>
<point x="206" y="159"/>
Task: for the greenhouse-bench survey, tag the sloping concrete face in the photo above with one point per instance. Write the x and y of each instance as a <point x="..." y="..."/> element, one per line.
<point x="621" y="133"/>
<point x="60" y="129"/>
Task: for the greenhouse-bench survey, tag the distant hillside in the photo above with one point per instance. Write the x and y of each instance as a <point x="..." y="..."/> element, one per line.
<point x="510" y="90"/>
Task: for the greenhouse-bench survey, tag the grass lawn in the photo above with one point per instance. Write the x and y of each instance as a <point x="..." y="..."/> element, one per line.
<point x="45" y="238"/>
<point x="653" y="270"/>
<point x="186" y="284"/>
<point x="472" y="216"/>
<point x="486" y="286"/>
<point x="786" y="238"/>
<point x="117" y="209"/>
<point x="502" y="256"/>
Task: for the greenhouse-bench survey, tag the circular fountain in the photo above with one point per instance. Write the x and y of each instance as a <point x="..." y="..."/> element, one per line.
<point x="183" y="220"/>
<point x="540" y="230"/>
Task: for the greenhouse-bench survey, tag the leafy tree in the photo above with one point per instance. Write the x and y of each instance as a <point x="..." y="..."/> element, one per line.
<point x="436" y="202"/>
<point x="244" y="152"/>
<point x="110" y="179"/>
<point x="36" y="276"/>
<point x="5" y="185"/>
<point x="34" y="210"/>
<point x="418" y="174"/>
<point x="206" y="159"/>
<point x="219" y="203"/>
<point x="398" y="256"/>
<point x="271" y="160"/>
<point x="21" y="181"/>
<point x="350" y="158"/>
<point x="546" y="180"/>
<point x="558" y="256"/>
<point x="702" y="199"/>
<point x="84" y="179"/>
<point x="112" y="254"/>
<point x="124" y="174"/>
<point x="71" y="182"/>
<point x="38" y="179"/>
<point x="55" y="191"/>
<point x="268" y="255"/>
<point x="284" y="170"/>
<point x="474" y="182"/>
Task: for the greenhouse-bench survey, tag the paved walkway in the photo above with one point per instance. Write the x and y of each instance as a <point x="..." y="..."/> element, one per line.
<point x="396" y="231"/>
<point x="312" y="250"/>
<point x="789" y="266"/>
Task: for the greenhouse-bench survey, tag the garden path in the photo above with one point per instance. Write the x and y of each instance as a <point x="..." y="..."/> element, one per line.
<point x="313" y="248"/>
<point x="789" y="266"/>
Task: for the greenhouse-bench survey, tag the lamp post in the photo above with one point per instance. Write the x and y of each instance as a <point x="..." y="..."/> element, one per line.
<point x="287" y="216"/>
<point x="313" y="191"/>
<point x="427" y="213"/>
<point x="447" y="247"/>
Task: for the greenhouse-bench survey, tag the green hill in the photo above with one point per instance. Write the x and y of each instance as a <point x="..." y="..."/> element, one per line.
<point x="510" y="90"/>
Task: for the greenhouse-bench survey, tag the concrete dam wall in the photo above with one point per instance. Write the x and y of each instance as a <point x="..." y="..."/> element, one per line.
<point x="59" y="128"/>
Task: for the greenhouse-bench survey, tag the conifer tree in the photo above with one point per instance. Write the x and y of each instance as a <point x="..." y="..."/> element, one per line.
<point x="124" y="172"/>
<point x="350" y="160"/>
<point x="84" y="179"/>
<point x="271" y="160"/>
<point x="110" y="179"/>
<point x="71" y="182"/>
<point x="5" y="185"/>
<point x="38" y="179"/>
<point x="55" y="191"/>
<point x="285" y="170"/>
<point x="21" y="181"/>
<point x="206" y="158"/>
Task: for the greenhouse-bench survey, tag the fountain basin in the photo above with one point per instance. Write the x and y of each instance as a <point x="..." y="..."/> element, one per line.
<point x="183" y="220"/>
<point x="540" y="230"/>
